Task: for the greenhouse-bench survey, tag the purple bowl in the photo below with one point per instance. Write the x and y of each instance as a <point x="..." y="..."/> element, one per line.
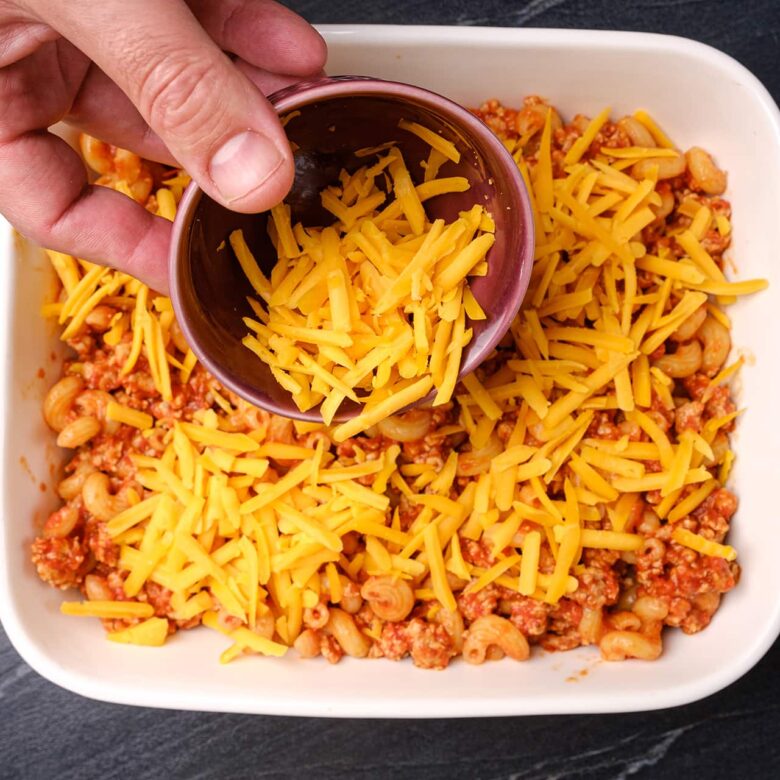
<point x="338" y="116"/>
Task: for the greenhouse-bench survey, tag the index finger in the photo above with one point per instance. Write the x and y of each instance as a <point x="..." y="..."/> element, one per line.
<point x="211" y="117"/>
<point x="290" y="45"/>
<point x="45" y="195"/>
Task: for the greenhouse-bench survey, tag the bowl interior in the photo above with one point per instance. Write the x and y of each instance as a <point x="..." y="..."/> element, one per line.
<point x="210" y="290"/>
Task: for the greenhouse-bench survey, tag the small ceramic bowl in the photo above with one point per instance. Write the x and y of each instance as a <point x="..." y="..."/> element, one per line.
<point x="337" y="117"/>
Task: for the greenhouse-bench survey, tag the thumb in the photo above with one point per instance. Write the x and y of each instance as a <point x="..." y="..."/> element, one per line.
<point x="215" y="122"/>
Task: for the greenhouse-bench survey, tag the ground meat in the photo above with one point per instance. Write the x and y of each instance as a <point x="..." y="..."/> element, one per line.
<point x="330" y="649"/>
<point x="529" y="615"/>
<point x="694" y="614"/>
<point x="610" y="136"/>
<point x="479" y="604"/>
<point x="632" y="430"/>
<point x="700" y="614"/>
<point x="564" y="624"/>
<point x="429" y="645"/>
<point x="187" y="399"/>
<point x="110" y="452"/>
<point x="60" y="561"/>
<point x="687" y="417"/>
<point x="429" y="449"/>
<point x="696" y="385"/>
<point x="115" y="581"/>
<point x="603" y="426"/>
<point x="500" y="119"/>
<point x="546" y="560"/>
<point x="679" y="609"/>
<point x="664" y="417"/>
<point x="714" y="243"/>
<point x="689" y="583"/>
<point x="159" y="597"/>
<point x="393" y="641"/>
<point x="720" y="404"/>
<point x="714" y="513"/>
<point x="599" y="584"/>
<point x="100" y="544"/>
<point x="477" y="553"/>
<point x="657" y="353"/>
<point x="505" y="427"/>
<point x="408" y="511"/>
<point x="101" y="369"/>
<point x="367" y="444"/>
<point x="597" y="588"/>
<point x="601" y="559"/>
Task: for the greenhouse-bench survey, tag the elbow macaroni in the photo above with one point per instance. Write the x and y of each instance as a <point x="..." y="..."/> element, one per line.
<point x="492" y="631"/>
<point x="571" y="491"/>
<point x="390" y="599"/>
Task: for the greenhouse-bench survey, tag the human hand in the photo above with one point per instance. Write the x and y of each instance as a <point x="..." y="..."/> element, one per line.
<point x="150" y="76"/>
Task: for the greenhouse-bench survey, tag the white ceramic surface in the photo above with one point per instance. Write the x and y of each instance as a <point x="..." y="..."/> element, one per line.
<point x="699" y="96"/>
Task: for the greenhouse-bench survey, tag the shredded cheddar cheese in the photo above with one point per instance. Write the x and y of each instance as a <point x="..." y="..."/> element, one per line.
<point x="248" y="530"/>
<point x="124" y="414"/>
<point x="705" y="546"/>
<point x="152" y="632"/>
<point x="373" y="309"/>
<point x="107" y="609"/>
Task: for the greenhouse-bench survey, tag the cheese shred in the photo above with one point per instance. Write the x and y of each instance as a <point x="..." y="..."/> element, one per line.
<point x="571" y="439"/>
<point x="376" y="304"/>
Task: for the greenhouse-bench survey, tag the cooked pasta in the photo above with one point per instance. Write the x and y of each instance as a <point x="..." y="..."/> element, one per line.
<point x="572" y="491"/>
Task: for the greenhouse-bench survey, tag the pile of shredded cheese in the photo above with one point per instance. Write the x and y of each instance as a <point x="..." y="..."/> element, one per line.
<point x="87" y="286"/>
<point x="374" y="308"/>
<point x="236" y="521"/>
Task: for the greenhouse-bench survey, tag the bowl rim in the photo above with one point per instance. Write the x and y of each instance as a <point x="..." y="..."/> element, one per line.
<point x="297" y="96"/>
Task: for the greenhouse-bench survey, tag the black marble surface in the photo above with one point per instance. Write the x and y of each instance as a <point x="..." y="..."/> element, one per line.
<point x="46" y="732"/>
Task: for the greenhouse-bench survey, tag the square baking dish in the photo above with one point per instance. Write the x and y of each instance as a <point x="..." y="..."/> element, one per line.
<point x="700" y="96"/>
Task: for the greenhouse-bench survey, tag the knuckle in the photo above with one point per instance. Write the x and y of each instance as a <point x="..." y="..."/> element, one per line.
<point x="174" y="96"/>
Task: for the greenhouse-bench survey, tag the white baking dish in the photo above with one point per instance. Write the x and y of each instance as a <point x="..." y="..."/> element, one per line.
<point x="700" y="96"/>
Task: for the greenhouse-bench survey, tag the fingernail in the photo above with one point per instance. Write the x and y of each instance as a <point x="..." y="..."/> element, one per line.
<point x="243" y="164"/>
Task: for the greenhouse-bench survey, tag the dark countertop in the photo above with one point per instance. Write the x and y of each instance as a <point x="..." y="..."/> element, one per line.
<point x="47" y="732"/>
